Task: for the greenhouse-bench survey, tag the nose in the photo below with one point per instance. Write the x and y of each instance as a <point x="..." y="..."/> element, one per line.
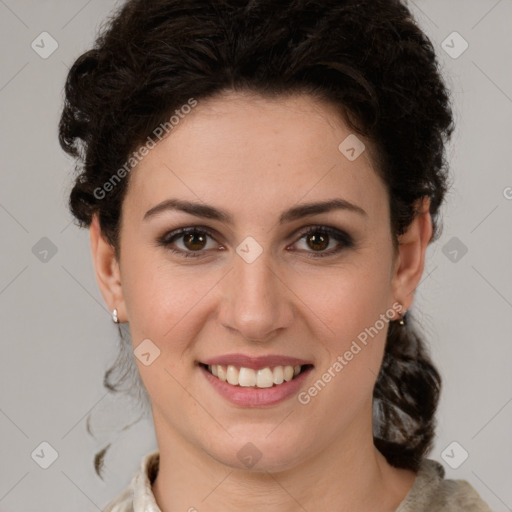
<point x="256" y="300"/>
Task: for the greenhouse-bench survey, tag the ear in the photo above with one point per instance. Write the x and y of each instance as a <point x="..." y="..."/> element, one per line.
<point x="411" y="254"/>
<point x="107" y="270"/>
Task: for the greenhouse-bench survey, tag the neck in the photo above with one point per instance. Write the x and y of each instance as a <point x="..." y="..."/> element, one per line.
<point x="351" y="475"/>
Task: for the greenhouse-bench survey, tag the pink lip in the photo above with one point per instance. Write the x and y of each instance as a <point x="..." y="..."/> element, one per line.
<point x="255" y="362"/>
<point x="256" y="397"/>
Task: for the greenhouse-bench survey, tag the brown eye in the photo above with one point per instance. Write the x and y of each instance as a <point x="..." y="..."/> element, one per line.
<point x="194" y="241"/>
<point x="318" y="241"/>
<point x="318" y="238"/>
<point x="189" y="242"/>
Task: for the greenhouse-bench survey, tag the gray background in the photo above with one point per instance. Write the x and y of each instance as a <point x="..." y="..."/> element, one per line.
<point x="57" y="337"/>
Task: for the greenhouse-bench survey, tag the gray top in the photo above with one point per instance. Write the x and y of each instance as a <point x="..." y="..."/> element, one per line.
<point x="431" y="492"/>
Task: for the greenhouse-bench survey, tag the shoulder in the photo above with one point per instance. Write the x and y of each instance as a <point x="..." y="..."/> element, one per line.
<point x="433" y="493"/>
<point x="123" y="502"/>
<point x="138" y="496"/>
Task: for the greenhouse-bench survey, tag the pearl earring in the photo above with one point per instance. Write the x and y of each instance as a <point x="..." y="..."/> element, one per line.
<point x="115" y="319"/>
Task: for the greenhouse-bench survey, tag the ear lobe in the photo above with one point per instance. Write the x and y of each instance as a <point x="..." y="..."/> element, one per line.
<point x="411" y="254"/>
<point x="107" y="270"/>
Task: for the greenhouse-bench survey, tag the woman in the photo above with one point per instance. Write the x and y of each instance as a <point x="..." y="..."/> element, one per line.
<point x="261" y="181"/>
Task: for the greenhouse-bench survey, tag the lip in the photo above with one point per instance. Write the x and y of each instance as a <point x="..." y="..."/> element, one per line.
<point x="253" y="396"/>
<point x="256" y="362"/>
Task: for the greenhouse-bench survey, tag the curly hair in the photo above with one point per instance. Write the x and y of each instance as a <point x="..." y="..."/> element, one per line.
<point x="368" y="59"/>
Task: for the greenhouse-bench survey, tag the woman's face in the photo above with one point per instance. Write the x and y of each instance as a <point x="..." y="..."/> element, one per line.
<point x="251" y="284"/>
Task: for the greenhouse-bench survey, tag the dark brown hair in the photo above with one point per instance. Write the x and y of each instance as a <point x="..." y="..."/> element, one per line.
<point x="368" y="59"/>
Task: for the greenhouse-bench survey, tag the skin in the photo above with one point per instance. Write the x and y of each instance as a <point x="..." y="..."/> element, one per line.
<point x="256" y="157"/>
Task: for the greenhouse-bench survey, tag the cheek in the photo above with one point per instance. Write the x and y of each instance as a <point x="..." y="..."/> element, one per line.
<point x="163" y="299"/>
<point x="346" y="299"/>
<point x="350" y="311"/>
<point x="353" y="349"/>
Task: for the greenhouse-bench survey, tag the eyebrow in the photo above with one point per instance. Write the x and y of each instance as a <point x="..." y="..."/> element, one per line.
<point x="210" y="212"/>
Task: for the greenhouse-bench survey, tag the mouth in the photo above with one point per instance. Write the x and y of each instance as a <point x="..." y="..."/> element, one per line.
<point x="261" y="378"/>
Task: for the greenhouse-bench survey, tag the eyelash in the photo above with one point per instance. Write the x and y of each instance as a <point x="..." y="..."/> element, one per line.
<point x="340" y="236"/>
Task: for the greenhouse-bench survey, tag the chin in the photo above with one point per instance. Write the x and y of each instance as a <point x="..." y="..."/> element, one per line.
<point x="260" y="451"/>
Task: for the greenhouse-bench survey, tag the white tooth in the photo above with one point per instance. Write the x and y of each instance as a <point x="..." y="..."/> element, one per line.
<point x="232" y="375"/>
<point x="221" y="372"/>
<point x="288" y="373"/>
<point x="278" y="375"/>
<point x="247" y="377"/>
<point x="264" y="378"/>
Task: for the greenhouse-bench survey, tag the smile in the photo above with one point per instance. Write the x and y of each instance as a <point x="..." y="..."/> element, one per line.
<point x="266" y="377"/>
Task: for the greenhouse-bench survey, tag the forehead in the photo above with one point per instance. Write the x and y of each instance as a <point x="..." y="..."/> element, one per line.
<point x="249" y="153"/>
